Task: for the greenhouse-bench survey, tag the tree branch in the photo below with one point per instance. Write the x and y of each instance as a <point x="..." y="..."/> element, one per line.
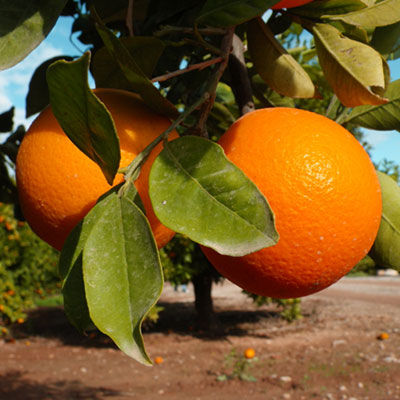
<point x="226" y="48"/>
<point x="240" y="81"/>
<point x="192" y="67"/>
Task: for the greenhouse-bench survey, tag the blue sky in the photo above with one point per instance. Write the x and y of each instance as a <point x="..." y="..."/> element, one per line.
<point x="14" y="84"/>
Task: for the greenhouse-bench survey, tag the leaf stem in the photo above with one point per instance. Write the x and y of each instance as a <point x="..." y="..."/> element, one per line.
<point x="132" y="170"/>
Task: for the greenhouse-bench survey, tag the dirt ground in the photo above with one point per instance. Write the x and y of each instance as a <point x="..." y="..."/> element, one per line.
<point x="331" y="353"/>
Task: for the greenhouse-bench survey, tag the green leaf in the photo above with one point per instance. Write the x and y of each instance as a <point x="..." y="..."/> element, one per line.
<point x="195" y="190"/>
<point x="275" y="65"/>
<point x="384" y="13"/>
<point x="122" y="274"/>
<point x="269" y="97"/>
<point x="70" y="268"/>
<point x="318" y="9"/>
<point x="112" y="271"/>
<point x="23" y="26"/>
<point x="386" y="40"/>
<point x="133" y="73"/>
<point x="7" y="120"/>
<point x="386" y="249"/>
<point x="75" y="304"/>
<point x="144" y="50"/>
<point x="384" y="117"/>
<point x="227" y="13"/>
<point x="356" y="72"/>
<point x="38" y="93"/>
<point x="82" y="116"/>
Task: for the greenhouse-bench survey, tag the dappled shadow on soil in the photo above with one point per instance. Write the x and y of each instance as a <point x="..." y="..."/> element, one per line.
<point x="15" y="386"/>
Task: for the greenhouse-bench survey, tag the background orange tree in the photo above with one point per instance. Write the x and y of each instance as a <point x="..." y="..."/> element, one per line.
<point x="202" y="64"/>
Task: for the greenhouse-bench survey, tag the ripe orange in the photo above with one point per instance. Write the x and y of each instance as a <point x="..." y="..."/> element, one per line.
<point x="383" y="336"/>
<point x="158" y="360"/>
<point x="324" y="191"/>
<point x="249" y="353"/>
<point x="290" y="4"/>
<point x="58" y="184"/>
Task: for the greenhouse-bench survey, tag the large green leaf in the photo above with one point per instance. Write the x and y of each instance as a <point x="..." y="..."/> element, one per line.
<point x="226" y="13"/>
<point x="386" y="40"/>
<point x="83" y="117"/>
<point x="383" y="117"/>
<point x="195" y="190"/>
<point x="275" y="65"/>
<point x="122" y="274"/>
<point x="356" y="72"/>
<point x="133" y="73"/>
<point x="23" y="26"/>
<point x="386" y="249"/>
<point x="383" y="13"/>
<point x="145" y="50"/>
<point x="38" y="94"/>
<point x="113" y="273"/>
<point x="318" y="9"/>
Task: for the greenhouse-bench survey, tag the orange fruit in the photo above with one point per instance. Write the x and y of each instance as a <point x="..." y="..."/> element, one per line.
<point x="290" y="4"/>
<point x="58" y="184"/>
<point x="324" y="191"/>
<point x="383" y="336"/>
<point x="158" y="360"/>
<point x="249" y="353"/>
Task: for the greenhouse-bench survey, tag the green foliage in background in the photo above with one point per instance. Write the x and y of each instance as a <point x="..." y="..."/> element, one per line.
<point x="28" y="268"/>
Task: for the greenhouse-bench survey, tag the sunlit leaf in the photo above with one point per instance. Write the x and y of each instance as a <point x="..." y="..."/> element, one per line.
<point x="122" y="274"/>
<point x="82" y="116"/>
<point x="23" y="26"/>
<point x="356" y="72"/>
<point x="386" y="249"/>
<point x="383" y="117"/>
<point x="226" y="13"/>
<point x="382" y="13"/>
<point x="195" y="190"/>
<point x="112" y="272"/>
<point x="318" y="9"/>
<point x="275" y="65"/>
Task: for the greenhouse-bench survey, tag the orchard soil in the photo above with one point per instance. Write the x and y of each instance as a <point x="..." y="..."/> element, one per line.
<point x="332" y="353"/>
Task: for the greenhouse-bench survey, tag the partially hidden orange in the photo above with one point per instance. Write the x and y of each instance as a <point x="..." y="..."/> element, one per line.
<point x="290" y="4"/>
<point x="58" y="184"/>
<point x="324" y="191"/>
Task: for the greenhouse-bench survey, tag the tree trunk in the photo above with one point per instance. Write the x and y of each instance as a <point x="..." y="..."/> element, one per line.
<point x="206" y="320"/>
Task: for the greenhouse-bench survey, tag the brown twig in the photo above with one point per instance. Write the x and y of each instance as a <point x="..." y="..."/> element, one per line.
<point x="226" y="48"/>
<point x="166" y="30"/>
<point x="240" y="81"/>
<point x="129" y="18"/>
<point x="192" y="67"/>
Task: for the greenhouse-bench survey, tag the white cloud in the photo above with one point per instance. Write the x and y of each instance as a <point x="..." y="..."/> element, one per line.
<point x="14" y="82"/>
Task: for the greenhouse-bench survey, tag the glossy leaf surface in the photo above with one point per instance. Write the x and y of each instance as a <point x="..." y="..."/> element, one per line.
<point x="275" y="65"/>
<point x="82" y="116"/>
<point x="384" y="117"/>
<point x="23" y="26"/>
<point x="195" y="190"/>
